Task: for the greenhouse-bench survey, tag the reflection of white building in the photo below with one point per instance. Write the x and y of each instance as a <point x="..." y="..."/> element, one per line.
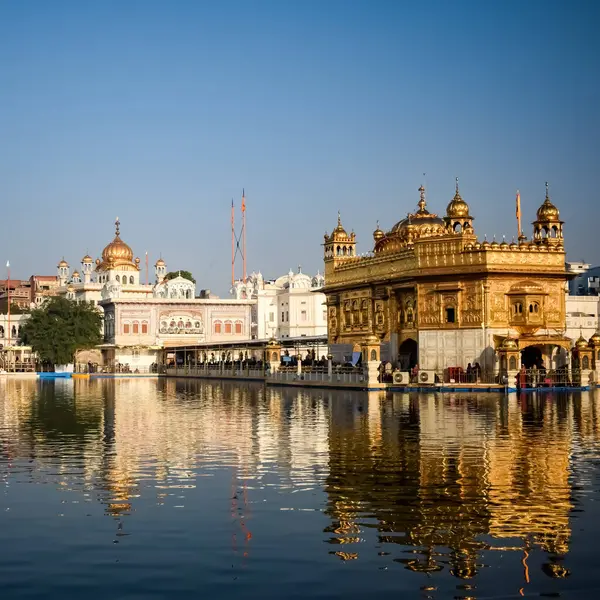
<point x="289" y="306"/>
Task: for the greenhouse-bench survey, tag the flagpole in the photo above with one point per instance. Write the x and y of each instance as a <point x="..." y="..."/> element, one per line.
<point x="244" y="231"/>
<point x="146" y="267"/>
<point x="520" y="231"/>
<point x="8" y="299"/>
<point x="232" y="243"/>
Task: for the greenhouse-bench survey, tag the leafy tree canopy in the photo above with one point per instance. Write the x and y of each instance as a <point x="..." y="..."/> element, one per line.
<point x="184" y="274"/>
<point x="61" y="327"/>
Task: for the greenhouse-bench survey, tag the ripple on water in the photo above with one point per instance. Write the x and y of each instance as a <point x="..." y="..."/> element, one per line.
<point x="169" y="488"/>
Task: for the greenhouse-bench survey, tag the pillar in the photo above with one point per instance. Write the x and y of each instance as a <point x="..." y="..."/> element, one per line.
<point x="371" y="358"/>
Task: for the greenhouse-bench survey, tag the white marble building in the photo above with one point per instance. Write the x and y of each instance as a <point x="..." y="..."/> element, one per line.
<point x="142" y="319"/>
<point x="582" y="316"/>
<point x="137" y="330"/>
<point x="289" y="306"/>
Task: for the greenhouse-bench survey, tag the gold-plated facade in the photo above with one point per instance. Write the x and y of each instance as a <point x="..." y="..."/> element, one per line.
<point x="430" y="279"/>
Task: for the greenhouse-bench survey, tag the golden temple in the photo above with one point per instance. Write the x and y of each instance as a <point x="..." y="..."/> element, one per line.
<point x="436" y="295"/>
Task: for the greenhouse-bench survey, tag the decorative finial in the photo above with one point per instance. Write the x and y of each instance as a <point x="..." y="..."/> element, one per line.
<point x="339" y="219"/>
<point x="377" y="224"/>
<point x="299" y="268"/>
<point x="422" y="201"/>
<point x="457" y="185"/>
<point x="117" y="225"/>
<point x="547" y="194"/>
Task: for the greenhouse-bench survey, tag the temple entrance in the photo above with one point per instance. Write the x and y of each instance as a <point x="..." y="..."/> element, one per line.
<point x="531" y="356"/>
<point x="408" y="355"/>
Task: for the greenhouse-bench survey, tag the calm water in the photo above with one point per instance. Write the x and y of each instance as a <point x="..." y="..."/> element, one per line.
<point x="183" y="489"/>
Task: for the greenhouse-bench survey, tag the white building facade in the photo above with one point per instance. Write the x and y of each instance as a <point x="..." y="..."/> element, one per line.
<point x="582" y="316"/>
<point x="136" y="331"/>
<point x="289" y="306"/>
<point x="141" y="320"/>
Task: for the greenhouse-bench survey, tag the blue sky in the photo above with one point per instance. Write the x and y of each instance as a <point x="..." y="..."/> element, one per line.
<point x="161" y="112"/>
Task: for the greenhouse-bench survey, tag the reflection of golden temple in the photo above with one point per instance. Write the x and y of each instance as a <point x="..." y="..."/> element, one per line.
<point x="452" y="474"/>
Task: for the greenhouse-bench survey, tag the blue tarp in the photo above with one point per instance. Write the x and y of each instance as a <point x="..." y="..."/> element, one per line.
<point x="355" y="358"/>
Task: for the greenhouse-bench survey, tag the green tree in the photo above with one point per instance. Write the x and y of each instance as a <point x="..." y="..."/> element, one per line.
<point x="60" y="328"/>
<point x="184" y="274"/>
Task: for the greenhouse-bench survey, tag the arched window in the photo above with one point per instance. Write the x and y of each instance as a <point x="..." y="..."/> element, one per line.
<point x="585" y="362"/>
<point x="339" y="251"/>
<point x="534" y="308"/>
<point x="188" y="324"/>
<point x="373" y="355"/>
<point x="228" y="327"/>
<point x="136" y="327"/>
<point x="144" y="326"/>
<point x="238" y="327"/>
<point x="126" y="328"/>
<point x="124" y="282"/>
<point x="517" y="308"/>
<point x="180" y="324"/>
<point x="512" y="363"/>
<point x="457" y="228"/>
<point x="118" y="278"/>
<point x="218" y="327"/>
<point x="14" y="331"/>
<point x="131" y="280"/>
<point x="274" y="356"/>
<point x="350" y="251"/>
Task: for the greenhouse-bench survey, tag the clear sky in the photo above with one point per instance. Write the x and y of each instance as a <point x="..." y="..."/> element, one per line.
<point x="160" y="112"/>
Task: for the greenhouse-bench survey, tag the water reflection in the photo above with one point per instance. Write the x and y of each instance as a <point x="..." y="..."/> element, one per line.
<point x="446" y="485"/>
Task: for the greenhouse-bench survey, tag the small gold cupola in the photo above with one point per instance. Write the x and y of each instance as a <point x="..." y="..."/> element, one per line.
<point x="339" y="244"/>
<point x="548" y="228"/>
<point x="458" y="218"/>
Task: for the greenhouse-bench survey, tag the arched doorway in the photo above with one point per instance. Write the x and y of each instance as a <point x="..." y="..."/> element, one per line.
<point x="530" y="356"/>
<point x="408" y="354"/>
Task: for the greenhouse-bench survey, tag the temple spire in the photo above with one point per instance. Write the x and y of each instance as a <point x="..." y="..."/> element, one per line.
<point x="422" y="201"/>
<point x="117" y="225"/>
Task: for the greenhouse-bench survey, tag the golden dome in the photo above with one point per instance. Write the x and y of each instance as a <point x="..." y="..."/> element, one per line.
<point x="160" y="263"/>
<point x="378" y="233"/>
<point x="458" y="208"/>
<point x="87" y="259"/>
<point x="581" y="343"/>
<point x="118" y="253"/>
<point x="509" y="344"/>
<point x="75" y="274"/>
<point x="63" y="263"/>
<point x="117" y="249"/>
<point x="339" y="228"/>
<point x="422" y="220"/>
<point x="547" y="211"/>
<point x="595" y="340"/>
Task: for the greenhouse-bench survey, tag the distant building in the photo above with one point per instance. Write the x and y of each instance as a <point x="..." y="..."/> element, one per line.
<point x="20" y="292"/>
<point x="587" y="279"/>
<point x="582" y="316"/>
<point x="42" y="287"/>
<point x="290" y="306"/>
